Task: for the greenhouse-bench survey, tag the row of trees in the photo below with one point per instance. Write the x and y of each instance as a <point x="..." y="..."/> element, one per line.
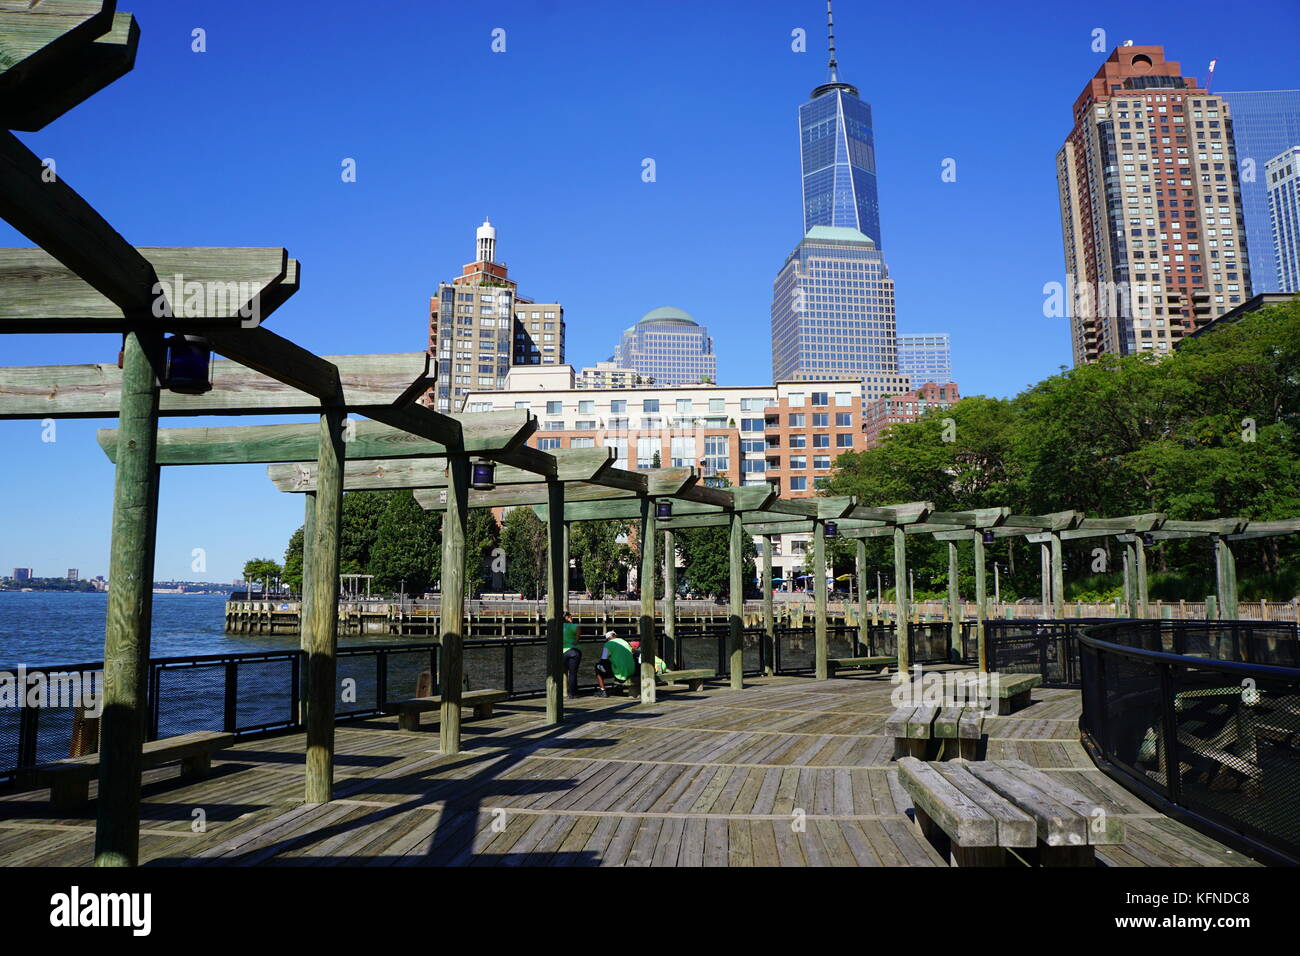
<point x="1212" y="430"/>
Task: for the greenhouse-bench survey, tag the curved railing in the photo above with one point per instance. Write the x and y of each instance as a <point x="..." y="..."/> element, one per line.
<point x="1203" y="720"/>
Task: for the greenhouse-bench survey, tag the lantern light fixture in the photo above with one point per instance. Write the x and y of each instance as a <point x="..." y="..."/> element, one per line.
<point x="188" y="365"/>
<point x="663" y="508"/>
<point x="832" y="529"/>
<point x="987" y="536"/>
<point x="1148" y="539"/>
<point x="482" y="474"/>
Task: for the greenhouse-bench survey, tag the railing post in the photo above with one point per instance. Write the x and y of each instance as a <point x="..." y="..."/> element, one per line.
<point x="670" y="600"/>
<point x="231" y="703"/>
<point x="903" y="638"/>
<point x="981" y="599"/>
<point x="1173" y="776"/>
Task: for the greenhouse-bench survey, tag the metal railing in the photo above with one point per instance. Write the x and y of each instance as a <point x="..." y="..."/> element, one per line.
<point x="1203" y="720"/>
<point x="1047" y="648"/>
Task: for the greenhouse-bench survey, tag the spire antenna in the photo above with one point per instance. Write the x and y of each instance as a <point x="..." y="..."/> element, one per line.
<point x="830" y="36"/>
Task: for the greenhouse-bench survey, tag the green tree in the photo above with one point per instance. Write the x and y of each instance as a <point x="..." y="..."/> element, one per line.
<point x="481" y="536"/>
<point x="263" y="570"/>
<point x="706" y="561"/>
<point x="359" y="529"/>
<point x="601" y="556"/>
<point x="293" y="560"/>
<point x="524" y="541"/>
<point x="407" y="550"/>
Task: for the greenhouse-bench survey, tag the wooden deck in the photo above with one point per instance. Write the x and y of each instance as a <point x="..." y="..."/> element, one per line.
<point x="714" y="778"/>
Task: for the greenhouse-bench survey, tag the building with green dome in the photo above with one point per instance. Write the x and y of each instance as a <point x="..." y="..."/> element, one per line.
<point x="668" y="347"/>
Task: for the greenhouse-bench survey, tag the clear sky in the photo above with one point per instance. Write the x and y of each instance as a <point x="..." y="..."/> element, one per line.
<point x="243" y="145"/>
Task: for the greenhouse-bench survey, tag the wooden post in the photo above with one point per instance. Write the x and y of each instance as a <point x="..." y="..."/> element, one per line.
<point x="981" y="599"/>
<point x="1045" y="577"/>
<point x="769" y="617"/>
<point x="901" y="602"/>
<point x="451" y="620"/>
<point x="736" y="637"/>
<point x="556" y="585"/>
<point x="1130" y="579"/>
<point x="130" y="602"/>
<point x="308" y="541"/>
<point x="671" y="652"/>
<point x="1225" y="579"/>
<point x="954" y="604"/>
<point x="1140" y="563"/>
<point x="822" y="667"/>
<point x="320" y="634"/>
<point x="1058" y="577"/>
<point x="864" y="625"/>
<point x="646" y="580"/>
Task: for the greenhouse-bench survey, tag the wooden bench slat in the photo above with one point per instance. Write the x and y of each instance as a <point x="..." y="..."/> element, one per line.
<point x="967" y="823"/>
<point x="1015" y="827"/>
<point x="1111" y="830"/>
<point x="896" y="724"/>
<point x="1058" y="824"/>
<point x="946" y="723"/>
<point x="918" y="725"/>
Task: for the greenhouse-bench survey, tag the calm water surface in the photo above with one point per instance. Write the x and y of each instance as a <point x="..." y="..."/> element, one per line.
<point x="39" y="628"/>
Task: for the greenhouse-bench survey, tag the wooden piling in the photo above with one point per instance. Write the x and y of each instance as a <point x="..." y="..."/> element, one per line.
<point x="557" y="585"/>
<point x="736" y="602"/>
<point x="821" y="665"/>
<point x="646" y="581"/>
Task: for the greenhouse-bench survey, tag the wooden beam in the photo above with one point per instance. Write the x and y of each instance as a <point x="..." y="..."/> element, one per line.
<point x="127" y="631"/>
<point x="832" y="508"/>
<point x="40" y="89"/>
<point x="902" y="604"/>
<point x="769" y="614"/>
<point x="736" y="601"/>
<point x="908" y="513"/>
<point x="821" y="656"/>
<point x="981" y="599"/>
<point x="646" y="585"/>
<point x="197" y="290"/>
<point x="278" y="358"/>
<point x="671" y="651"/>
<point x="557" y="586"/>
<point x="94" y="391"/>
<point x="1266" y="529"/>
<point x="451" y="617"/>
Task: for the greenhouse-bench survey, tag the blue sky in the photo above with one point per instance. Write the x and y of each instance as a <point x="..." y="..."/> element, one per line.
<point x="243" y="145"/>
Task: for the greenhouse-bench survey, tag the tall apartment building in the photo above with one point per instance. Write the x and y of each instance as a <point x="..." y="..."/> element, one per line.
<point x="1264" y="124"/>
<point x="607" y="375"/>
<point x="22" y="574"/>
<point x="925" y="358"/>
<point x="833" y="314"/>
<point x="480" y="327"/>
<point x="833" y="300"/>
<point x="670" y="347"/>
<point x="1282" y="175"/>
<point x="1150" y="208"/>
<point x="74" y="574"/>
<point x="878" y="415"/>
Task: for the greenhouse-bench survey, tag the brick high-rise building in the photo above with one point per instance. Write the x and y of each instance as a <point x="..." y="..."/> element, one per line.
<point x="879" y="414"/>
<point x="480" y="327"/>
<point x="1151" y="210"/>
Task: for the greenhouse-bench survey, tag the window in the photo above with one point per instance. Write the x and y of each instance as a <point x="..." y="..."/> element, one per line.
<point x="798" y="441"/>
<point x="751" y="424"/>
<point x="548" y="444"/>
<point x="843" y="398"/>
<point x="584" y="425"/>
<point x="795" y="400"/>
<point x="821" y="461"/>
<point x="587" y="407"/>
<point x="798" y="483"/>
<point x="521" y="404"/>
<point x="650" y="405"/>
<point x="683" y="451"/>
<point x="843" y="419"/>
<point x="750" y="446"/>
<point x="620" y="451"/>
<point x="798" y="421"/>
<point x="582" y="443"/>
<point x="716" y="455"/>
<point x="843" y="441"/>
<point x="646" y="450"/>
<point x="717" y="404"/>
<point x="753" y="466"/>
<point x="821" y="419"/>
<point x="555" y="408"/>
<point x="554" y="426"/>
<point x="798" y="461"/>
<point x="683" y="406"/>
<point x="618" y="424"/>
<point x="820" y="398"/>
<point x="821" y="441"/>
<point x="618" y="406"/>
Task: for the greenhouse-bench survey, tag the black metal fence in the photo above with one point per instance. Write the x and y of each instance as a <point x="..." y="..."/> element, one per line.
<point x="1047" y="648"/>
<point x="1202" y="719"/>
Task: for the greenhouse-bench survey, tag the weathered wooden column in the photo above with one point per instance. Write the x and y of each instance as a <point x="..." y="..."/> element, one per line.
<point x="320" y="637"/>
<point x="308" y="541"/>
<point x="1225" y="578"/>
<point x="1130" y="578"/>
<point x="646" y="581"/>
<point x="671" y="652"/>
<point x="1058" y="577"/>
<point x="954" y="604"/>
<point x="981" y="599"/>
<point x="130" y="603"/>
<point x="864" y="626"/>
<point x="556" y="586"/>
<point x="451" y="616"/>
<point x="1045" y="577"/>
<point x="769" y="617"/>
<point x="822" y="666"/>
<point x="901" y="602"/>
<point x="1140" y="563"/>
<point x="736" y="611"/>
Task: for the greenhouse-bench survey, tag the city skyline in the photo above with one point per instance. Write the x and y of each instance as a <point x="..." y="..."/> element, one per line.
<point x="584" y="226"/>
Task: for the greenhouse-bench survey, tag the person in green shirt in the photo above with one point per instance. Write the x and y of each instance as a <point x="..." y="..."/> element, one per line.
<point x="572" y="653"/>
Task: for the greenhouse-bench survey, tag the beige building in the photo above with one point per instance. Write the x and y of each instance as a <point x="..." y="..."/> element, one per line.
<point x="1151" y="209"/>
<point x="607" y="375"/>
<point x="787" y="434"/>
<point x="480" y="327"/>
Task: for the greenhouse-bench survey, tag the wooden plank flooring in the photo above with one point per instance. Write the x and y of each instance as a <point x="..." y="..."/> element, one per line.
<point x="787" y="772"/>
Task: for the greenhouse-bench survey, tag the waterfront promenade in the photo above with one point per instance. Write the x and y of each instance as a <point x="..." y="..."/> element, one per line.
<point x="715" y="777"/>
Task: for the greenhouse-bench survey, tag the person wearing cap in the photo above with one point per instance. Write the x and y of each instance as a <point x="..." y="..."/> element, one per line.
<point x="617" y="662"/>
<point x="572" y="653"/>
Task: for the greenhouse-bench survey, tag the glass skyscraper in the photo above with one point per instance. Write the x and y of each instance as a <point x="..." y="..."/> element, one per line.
<point x="1264" y="124"/>
<point x="668" y="347"/>
<point x="925" y="358"/>
<point x="837" y="153"/>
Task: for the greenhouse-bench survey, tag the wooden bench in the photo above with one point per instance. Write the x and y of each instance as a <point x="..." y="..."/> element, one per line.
<point x="921" y="731"/>
<point x="69" y="780"/>
<point x="844" y="663"/>
<point x="693" y="679"/>
<point x="986" y="807"/>
<point x="408" y="711"/>
<point x="1012" y="690"/>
